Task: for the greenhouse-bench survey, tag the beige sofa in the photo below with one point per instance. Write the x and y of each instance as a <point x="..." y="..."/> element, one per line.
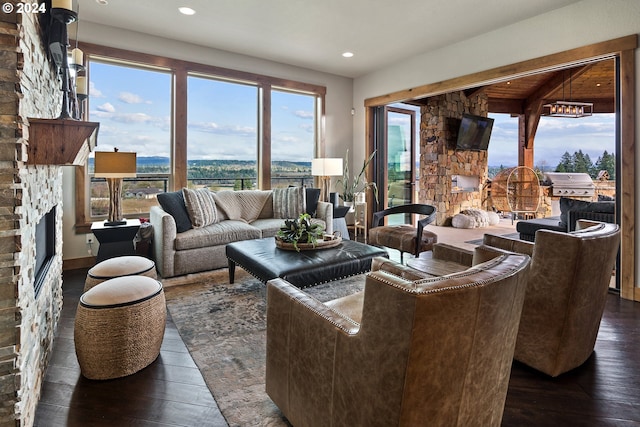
<point x="240" y="215"/>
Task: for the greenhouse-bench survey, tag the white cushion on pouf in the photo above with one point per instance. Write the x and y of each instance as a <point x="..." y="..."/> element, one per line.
<point x="475" y="218"/>
<point x="128" y="265"/>
<point x="121" y="290"/>
<point x="494" y="218"/>
<point x="463" y="221"/>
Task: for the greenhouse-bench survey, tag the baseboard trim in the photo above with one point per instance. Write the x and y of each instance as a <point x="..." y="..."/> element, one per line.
<point x="76" y="263"/>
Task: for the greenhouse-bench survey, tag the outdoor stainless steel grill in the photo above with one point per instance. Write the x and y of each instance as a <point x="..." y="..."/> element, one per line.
<point x="570" y="184"/>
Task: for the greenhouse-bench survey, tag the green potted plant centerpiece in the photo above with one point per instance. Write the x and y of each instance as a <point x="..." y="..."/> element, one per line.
<point x="300" y="231"/>
<point x="352" y="185"/>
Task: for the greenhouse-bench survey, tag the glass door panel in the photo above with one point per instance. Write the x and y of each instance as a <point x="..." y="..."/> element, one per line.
<point x="400" y="161"/>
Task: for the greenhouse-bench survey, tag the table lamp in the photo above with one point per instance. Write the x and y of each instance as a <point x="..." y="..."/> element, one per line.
<point x="114" y="166"/>
<point x="326" y="168"/>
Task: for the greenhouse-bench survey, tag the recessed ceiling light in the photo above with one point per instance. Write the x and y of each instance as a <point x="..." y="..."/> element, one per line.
<point x="186" y="11"/>
<point x="102" y="2"/>
<point x="347" y="54"/>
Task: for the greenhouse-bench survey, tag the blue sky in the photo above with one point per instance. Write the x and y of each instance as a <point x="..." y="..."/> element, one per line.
<point x="554" y="137"/>
<point x="133" y="107"/>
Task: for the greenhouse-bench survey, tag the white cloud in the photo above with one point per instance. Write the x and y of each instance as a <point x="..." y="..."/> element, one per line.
<point x="304" y="114"/>
<point x="94" y="91"/>
<point x="131" y="98"/>
<point x="133" y="118"/>
<point x="212" y="127"/>
<point x="106" y="108"/>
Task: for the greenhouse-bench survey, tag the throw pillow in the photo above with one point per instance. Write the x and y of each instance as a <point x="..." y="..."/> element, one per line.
<point x="173" y="204"/>
<point x="228" y="204"/>
<point x="312" y="196"/>
<point x="201" y="206"/>
<point x="288" y="203"/>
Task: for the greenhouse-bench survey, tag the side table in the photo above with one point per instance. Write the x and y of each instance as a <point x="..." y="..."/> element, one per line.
<point x="115" y="240"/>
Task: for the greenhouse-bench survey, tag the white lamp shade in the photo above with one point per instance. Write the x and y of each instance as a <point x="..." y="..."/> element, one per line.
<point x="115" y="164"/>
<point x="326" y="167"/>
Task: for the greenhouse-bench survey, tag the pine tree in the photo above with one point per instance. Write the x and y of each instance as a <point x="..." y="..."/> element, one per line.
<point x="582" y="163"/>
<point x="566" y="163"/>
<point x="607" y="162"/>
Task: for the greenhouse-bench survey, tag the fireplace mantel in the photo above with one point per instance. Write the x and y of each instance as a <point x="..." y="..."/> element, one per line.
<point x="61" y="141"/>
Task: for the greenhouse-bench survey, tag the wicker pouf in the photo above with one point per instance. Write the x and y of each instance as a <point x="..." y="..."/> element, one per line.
<point x="119" y="327"/>
<point x="120" y="266"/>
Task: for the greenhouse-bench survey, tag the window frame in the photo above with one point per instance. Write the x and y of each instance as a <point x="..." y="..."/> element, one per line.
<point x="180" y="70"/>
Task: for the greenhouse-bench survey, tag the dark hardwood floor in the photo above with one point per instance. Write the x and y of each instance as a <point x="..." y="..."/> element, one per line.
<point x="605" y="391"/>
<point x="169" y="392"/>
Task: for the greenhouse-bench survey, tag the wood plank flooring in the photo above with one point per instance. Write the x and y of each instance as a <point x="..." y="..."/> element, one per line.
<point x="169" y="392"/>
<point x="605" y="391"/>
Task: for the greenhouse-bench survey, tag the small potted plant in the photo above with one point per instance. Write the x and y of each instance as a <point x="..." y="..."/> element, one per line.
<point x="356" y="184"/>
<point x="300" y="231"/>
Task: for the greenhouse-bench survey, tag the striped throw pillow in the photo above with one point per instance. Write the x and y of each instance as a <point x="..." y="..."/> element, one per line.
<point x="201" y="207"/>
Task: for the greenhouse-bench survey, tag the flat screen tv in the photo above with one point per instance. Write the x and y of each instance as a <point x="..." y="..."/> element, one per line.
<point x="474" y="133"/>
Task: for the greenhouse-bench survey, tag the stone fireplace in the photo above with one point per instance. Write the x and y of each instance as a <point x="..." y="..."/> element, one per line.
<point x="30" y="88"/>
<point x="451" y="180"/>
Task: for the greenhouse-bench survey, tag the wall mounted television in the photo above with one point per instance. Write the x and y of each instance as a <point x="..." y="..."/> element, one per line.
<point x="474" y="133"/>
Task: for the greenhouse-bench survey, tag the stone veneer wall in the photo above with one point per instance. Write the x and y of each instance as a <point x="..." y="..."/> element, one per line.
<point x="29" y="88"/>
<point x="439" y="160"/>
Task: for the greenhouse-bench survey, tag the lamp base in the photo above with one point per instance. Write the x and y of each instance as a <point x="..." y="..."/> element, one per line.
<point x="114" y="223"/>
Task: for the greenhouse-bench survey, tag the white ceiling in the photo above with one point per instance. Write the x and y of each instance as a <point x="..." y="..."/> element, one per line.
<point x="314" y="33"/>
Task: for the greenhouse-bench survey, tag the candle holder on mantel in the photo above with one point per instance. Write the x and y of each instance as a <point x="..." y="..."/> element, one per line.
<point x="65" y="16"/>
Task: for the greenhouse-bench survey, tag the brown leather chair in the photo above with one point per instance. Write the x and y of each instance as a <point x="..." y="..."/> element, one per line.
<point x="403" y="237"/>
<point x="566" y="292"/>
<point x="403" y="352"/>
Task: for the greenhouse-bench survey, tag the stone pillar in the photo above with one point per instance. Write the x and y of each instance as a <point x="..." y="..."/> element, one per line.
<point x="29" y="87"/>
<point x="439" y="161"/>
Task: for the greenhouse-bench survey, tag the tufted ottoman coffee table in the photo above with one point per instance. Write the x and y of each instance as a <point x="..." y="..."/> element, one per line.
<point x="119" y="327"/>
<point x="265" y="261"/>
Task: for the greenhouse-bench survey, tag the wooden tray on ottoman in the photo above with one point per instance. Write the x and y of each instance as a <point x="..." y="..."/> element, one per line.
<point x="320" y="244"/>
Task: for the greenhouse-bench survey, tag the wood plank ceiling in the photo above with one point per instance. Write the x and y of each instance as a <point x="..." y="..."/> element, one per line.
<point x="594" y="82"/>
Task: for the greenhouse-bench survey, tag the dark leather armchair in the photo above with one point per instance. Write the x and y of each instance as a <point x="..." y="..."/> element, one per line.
<point x="404" y="352"/>
<point x="404" y="238"/>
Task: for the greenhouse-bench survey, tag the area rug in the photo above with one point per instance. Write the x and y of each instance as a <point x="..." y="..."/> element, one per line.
<point x="224" y="327"/>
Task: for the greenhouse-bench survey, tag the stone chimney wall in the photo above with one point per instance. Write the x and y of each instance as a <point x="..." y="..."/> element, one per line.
<point x="29" y="87"/>
<point x="439" y="161"/>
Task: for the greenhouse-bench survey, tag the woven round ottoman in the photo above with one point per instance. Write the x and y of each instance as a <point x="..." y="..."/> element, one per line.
<point x="129" y="265"/>
<point x="119" y="326"/>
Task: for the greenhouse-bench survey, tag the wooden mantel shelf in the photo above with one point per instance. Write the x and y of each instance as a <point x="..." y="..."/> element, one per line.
<point x="60" y="141"/>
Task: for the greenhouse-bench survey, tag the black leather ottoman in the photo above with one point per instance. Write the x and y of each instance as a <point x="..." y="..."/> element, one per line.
<point x="265" y="261"/>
